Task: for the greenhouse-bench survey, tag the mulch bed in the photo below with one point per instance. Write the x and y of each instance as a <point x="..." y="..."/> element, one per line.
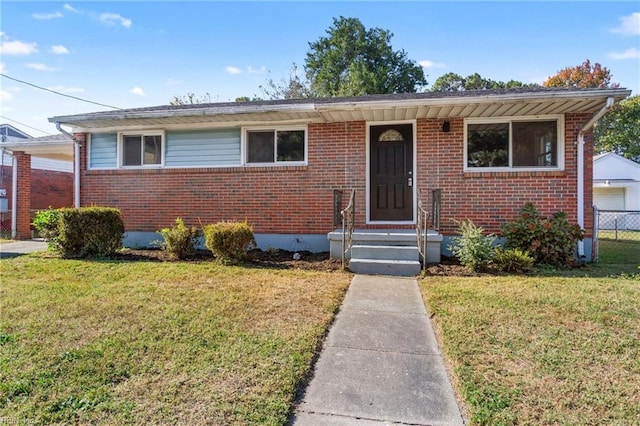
<point x="282" y="259"/>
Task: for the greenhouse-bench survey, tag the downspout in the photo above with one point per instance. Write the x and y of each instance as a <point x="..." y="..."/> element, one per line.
<point x="585" y="128"/>
<point x="14" y="197"/>
<point x="76" y="165"/>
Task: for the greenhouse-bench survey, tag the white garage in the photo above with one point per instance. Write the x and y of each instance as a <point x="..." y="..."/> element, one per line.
<point x="616" y="186"/>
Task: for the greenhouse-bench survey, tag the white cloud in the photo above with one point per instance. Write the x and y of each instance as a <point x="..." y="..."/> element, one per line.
<point x="252" y="70"/>
<point x="430" y="64"/>
<point x="172" y="82"/>
<point x="137" y="91"/>
<point x="70" y="8"/>
<point x="631" y="53"/>
<point x="5" y="96"/>
<point x="39" y="67"/>
<point x="232" y="70"/>
<point x="59" y="49"/>
<point x="63" y="89"/>
<point x="114" y="18"/>
<point x="52" y="15"/>
<point x="16" y="47"/>
<point x="3" y="68"/>
<point x="629" y="25"/>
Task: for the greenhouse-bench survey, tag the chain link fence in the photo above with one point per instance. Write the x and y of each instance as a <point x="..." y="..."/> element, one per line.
<point x="5" y="224"/>
<point x="615" y="225"/>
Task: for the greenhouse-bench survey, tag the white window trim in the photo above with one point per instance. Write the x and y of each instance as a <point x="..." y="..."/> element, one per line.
<point x="163" y="143"/>
<point x="560" y="145"/>
<point x="244" y="152"/>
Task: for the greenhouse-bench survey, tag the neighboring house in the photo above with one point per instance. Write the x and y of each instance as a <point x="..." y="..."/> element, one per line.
<point x="50" y="180"/>
<point x="8" y="131"/>
<point x="616" y="187"/>
<point x="277" y="164"/>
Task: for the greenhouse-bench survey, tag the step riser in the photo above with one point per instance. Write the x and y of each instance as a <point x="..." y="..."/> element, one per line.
<point x="368" y="267"/>
<point x="384" y="252"/>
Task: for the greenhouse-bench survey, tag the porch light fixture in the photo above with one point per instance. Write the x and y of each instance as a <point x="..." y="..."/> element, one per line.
<point x="446" y="126"/>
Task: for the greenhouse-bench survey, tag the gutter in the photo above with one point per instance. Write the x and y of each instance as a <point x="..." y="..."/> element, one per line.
<point x="76" y="165"/>
<point x="580" y="211"/>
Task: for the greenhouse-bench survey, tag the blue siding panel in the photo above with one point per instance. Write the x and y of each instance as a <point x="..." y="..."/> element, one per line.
<point x="203" y="148"/>
<point x="104" y="151"/>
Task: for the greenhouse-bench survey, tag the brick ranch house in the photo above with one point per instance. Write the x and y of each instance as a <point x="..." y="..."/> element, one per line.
<point x="40" y="181"/>
<point x="277" y="164"/>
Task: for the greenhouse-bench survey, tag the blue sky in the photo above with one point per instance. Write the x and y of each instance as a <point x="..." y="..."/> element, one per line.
<point x="142" y="53"/>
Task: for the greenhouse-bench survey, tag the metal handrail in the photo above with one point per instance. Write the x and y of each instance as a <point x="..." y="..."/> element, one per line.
<point x="348" y="224"/>
<point x="421" y="231"/>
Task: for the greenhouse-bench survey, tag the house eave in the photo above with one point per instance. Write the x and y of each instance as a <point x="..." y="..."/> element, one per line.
<point x="373" y="108"/>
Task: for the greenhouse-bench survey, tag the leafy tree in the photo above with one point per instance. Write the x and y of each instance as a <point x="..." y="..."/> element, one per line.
<point x="353" y="60"/>
<point x="619" y="130"/>
<point x="293" y="87"/>
<point x="584" y="75"/>
<point x="452" y="82"/>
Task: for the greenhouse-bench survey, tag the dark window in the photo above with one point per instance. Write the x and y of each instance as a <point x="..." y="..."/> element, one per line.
<point x="275" y="146"/>
<point x="535" y="144"/>
<point x="260" y="147"/>
<point x="488" y="145"/>
<point x="141" y="150"/>
<point x="291" y="145"/>
<point x="513" y="144"/>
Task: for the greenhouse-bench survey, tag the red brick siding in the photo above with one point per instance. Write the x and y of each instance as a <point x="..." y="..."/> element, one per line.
<point x="48" y="189"/>
<point x="290" y="199"/>
<point x="298" y="199"/>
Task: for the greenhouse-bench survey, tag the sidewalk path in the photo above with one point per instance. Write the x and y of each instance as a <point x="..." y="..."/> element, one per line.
<point x="380" y="363"/>
<point x="16" y="248"/>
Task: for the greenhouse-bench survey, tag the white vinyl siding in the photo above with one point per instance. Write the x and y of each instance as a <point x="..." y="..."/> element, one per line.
<point x="104" y="151"/>
<point x="210" y="148"/>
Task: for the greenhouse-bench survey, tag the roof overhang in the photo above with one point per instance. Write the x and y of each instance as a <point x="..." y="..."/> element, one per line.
<point x="51" y="148"/>
<point x="447" y="105"/>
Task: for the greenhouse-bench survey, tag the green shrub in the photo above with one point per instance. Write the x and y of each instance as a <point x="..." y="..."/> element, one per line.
<point x="550" y="241"/>
<point x="230" y="242"/>
<point x="473" y="248"/>
<point x="512" y="260"/>
<point x="46" y="223"/>
<point x="89" y="231"/>
<point x="180" y="241"/>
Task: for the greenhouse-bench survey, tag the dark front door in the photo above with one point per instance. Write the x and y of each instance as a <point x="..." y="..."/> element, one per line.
<point x="391" y="168"/>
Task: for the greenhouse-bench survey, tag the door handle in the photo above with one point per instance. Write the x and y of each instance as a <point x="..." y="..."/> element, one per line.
<point x="410" y="182"/>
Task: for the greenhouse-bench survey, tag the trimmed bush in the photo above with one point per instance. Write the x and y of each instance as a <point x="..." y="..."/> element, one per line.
<point x="180" y="241"/>
<point x="512" y="260"/>
<point x="473" y="248"/>
<point x="230" y="242"/>
<point x="550" y="241"/>
<point x="46" y="223"/>
<point x="89" y="231"/>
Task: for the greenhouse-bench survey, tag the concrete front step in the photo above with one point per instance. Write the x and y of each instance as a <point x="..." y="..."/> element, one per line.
<point x="381" y="252"/>
<point x="404" y="268"/>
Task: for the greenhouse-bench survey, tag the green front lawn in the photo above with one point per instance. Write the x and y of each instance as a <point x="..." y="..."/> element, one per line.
<point x="105" y="342"/>
<point x="563" y="348"/>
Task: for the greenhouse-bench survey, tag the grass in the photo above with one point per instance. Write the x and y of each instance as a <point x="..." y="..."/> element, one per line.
<point x="101" y="342"/>
<point x="620" y="235"/>
<point x="559" y="348"/>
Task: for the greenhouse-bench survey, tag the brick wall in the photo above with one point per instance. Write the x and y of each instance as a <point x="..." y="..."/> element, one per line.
<point x="48" y="188"/>
<point x="298" y="199"/>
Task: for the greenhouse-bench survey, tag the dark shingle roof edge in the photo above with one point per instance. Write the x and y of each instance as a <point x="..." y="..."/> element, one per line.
<point x="310" y="104"/>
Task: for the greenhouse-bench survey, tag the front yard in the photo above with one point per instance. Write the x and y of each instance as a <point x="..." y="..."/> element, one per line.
<point x="133" y="342"/>
<point x="562" y="347"/>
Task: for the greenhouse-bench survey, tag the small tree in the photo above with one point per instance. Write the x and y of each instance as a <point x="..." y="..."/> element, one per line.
<point x="473" y="248"/>
<point x="584" y="75"/>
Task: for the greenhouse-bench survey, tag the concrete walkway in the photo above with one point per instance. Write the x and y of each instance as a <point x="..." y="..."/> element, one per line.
<point x="16" y="248"/>
<point x="380" y="363"/>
